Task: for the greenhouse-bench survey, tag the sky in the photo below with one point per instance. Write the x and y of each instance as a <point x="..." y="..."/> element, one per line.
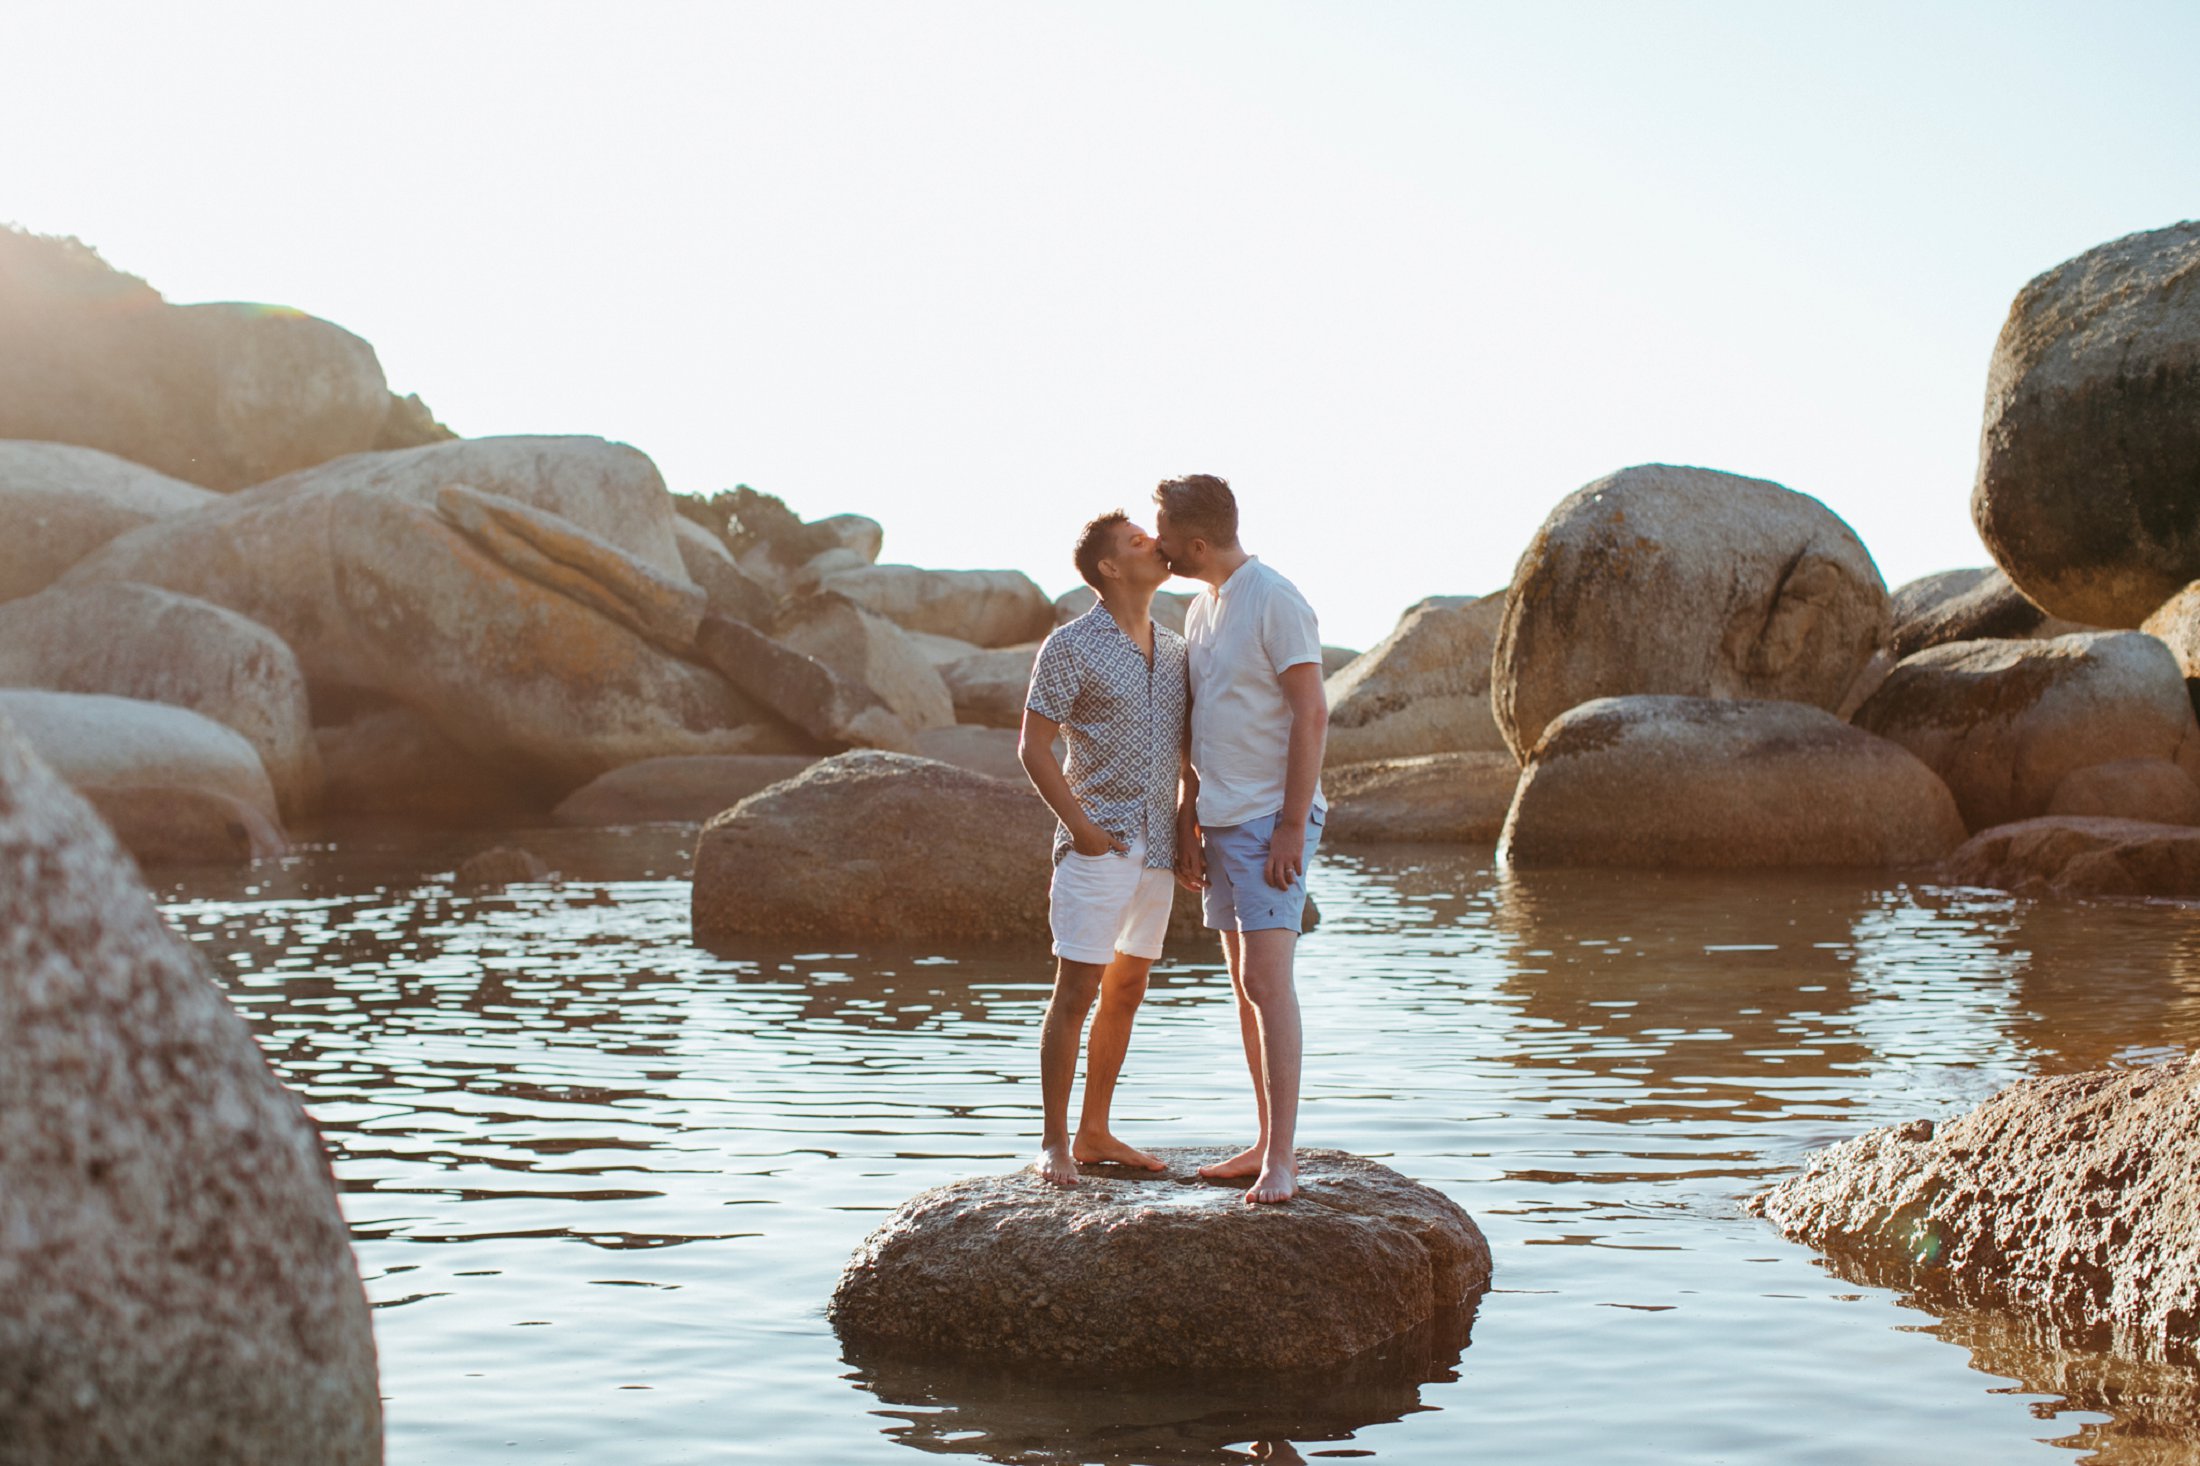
<point x="1406" y="274"/>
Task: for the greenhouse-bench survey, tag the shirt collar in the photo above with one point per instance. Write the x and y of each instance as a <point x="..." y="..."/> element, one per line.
<point x="1236" y="576"/>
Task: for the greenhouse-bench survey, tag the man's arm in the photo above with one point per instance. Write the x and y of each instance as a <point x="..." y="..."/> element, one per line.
<point x="1191" y="860"/>
<point x="1302" y="770"/>
<point x="1035" y="750"/>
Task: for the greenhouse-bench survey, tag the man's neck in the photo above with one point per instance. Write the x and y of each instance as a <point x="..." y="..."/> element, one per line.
<point x="1132" y="608"/>
<point x="1225" y="564"/>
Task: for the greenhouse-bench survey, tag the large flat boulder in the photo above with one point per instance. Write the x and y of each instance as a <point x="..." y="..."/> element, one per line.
<point x="1685" y="581"/>
<point x="222" y="395"/>
<point x="989" y="688"/>
<point x="1425" y="688"/>
<point x="2006" y="722"/>
<point x="2081" y="855"/>
<point x="989" y="607"/>
<point x="676" y="790"/>
<point x="176" y="1280"/>
<point x="98" y="742"/>
<point x="2088" y="489"/>
<point x="1134" y="1272"/>
<point x="2072" y="1197"/>
<point x="59" y="502"/>
<point x="143" y="642"/>
<point x="877" y="845"/>
<point x="1651" y="782"/>
<point x="1457" y="798"/>
<point x="525" y="595"/>
<point x="869" y="651"/>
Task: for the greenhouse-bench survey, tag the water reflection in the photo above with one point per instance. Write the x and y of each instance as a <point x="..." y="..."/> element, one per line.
<point x="970" y="1410"/>
<point x="602" y="1182"/>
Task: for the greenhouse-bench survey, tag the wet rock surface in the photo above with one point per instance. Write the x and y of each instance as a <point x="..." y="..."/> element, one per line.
<point x="2071" y="1197"/>
<point x="1659" y="579"/>
<point x="1425" y="688"/>
<point x="2005" y="723"/>
<point x="2087" y="491"/>
<point x="1131" y="1272"/>
<point x="1713" y="782"/>
<point x="2071" y="855"/>
<point x="1438" y="797"/>
<point x="176" y="1281"/>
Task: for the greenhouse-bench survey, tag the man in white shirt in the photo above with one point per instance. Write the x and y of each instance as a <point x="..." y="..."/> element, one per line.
<point x="1252" y="811"/>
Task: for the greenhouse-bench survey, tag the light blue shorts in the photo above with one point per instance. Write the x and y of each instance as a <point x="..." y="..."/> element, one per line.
<point x="1238" y="897"/>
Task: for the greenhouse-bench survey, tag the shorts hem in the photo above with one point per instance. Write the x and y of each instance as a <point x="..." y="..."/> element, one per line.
<point x="1078" y="955"/>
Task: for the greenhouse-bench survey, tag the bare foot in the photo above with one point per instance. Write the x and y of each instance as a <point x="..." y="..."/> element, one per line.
<point x="1245" y="1163"/>
<point x="1105" y="1147"/>
<point x="1056" y="1164"/>
<point x="1276" y="1183"/>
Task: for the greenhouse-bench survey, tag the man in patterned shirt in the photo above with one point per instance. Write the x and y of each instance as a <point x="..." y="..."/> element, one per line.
<point x="1112" y="684"/>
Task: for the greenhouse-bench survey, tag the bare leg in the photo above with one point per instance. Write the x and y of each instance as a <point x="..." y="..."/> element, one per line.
<point x="1268" y="985"/>
<point x="1075" y="983"/>
<point x="1247" y="1161"/>
<point x="1122" y="989"/>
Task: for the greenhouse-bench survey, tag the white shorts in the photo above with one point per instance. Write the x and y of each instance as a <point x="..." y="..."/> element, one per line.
<point x="1100" y="905"/>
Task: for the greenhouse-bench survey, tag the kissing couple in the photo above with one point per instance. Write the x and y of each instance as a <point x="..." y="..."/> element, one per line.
<point x="1192" y="760"/>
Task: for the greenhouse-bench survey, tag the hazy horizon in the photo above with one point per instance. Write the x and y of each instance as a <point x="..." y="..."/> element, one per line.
<point x="1406" y="275"/>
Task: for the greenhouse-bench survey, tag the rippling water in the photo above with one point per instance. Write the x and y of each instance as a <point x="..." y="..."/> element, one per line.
<point x="601" y="1182"/>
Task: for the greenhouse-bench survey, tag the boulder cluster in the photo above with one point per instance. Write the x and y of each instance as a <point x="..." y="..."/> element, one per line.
<point x="256" y="588"/>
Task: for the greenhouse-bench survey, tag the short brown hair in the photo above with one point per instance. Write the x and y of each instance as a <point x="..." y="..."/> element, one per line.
<point x="1096" y="542"/>
<point x="1201" y="506"/>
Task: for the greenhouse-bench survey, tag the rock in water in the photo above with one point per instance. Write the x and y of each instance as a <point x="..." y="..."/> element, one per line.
<point x="2072" y="1196"/>
<point x="1459" y="797"/>
<point x="61" y="502"/>
<point x="96" y="742"/>
<point x="2088" y="489"/>
<point x="1709" y="782"/>
<point x="1685" y="581"/>
<point x="501" y="865"/>
<point x="131" y="640"/>
<point x="878" y="845"/>
<point x="2075" y="855"/>
<point x="676" y="790"/>
<point x="176" y="1283"/>
<point x="1424" y="689"/>
<point x="2006" y="722"/>
<point x="1131" y="1272"/>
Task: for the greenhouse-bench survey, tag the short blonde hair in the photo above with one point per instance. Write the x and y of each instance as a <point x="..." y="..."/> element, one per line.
<point x="1201" y="506"/>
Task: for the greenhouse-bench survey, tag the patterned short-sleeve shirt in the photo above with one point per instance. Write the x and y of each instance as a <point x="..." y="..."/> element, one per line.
<point x="1123" y="720"/>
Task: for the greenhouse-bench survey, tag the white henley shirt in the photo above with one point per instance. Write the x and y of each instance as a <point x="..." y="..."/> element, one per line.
<point x="1240" y="636"/>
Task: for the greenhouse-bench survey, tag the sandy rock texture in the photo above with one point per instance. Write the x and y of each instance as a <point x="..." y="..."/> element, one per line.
<point x="59" y="503"/>
<point x="139" y="641"/>
<point x="2075" y="855"/>
<point x="1425" y="688"/>
<point x="676" y="790"/>
<point x="1962" y="605"/>
<point x="813" y="700"/>
<point x="989" y="688"/>
<point x="93" y="741"/>
<point x="878" y="845"/>
<point x="2176" y="624"/>
<point x="2088" y="489"/>
<point x="2071" y="1197"/>
<point x="1129" y="1272"/>
<point x="176" y="1282"/>
<point x="222" y="395"/>
<point x="519" y="593"/>
<point x="1438" y="797"/>
<point x="869" y="651"/>
<point x="727" y="588"/>
<point x="1686" y="581"/>
<point x="1650" y="781"/>
<point x="989" y="607"/>
<point x="2130" y="789"/>
<point x="2006" y="722"/>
